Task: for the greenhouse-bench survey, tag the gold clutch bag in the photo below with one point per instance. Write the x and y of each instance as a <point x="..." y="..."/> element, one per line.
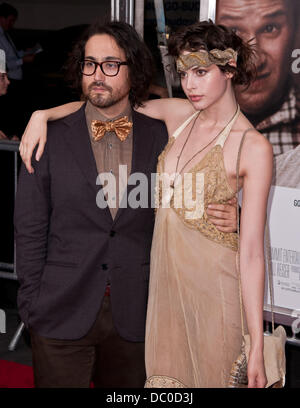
<point x="274" y="359"/>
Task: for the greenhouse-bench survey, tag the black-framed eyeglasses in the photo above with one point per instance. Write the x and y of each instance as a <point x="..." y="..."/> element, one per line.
<point x="109" y="68"/>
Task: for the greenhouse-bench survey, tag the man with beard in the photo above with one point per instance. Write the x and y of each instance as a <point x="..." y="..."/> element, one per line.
<point x="270" y="102"/>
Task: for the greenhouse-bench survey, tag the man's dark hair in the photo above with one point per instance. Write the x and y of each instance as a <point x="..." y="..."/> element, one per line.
<point x="8" y="10"/>
<point x="138" y="57"/>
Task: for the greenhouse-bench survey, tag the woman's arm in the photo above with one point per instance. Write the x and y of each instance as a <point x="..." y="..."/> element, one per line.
<point x="256" y="168"/>
<point x="170" y="110"/>
<point x="36" y="130"/>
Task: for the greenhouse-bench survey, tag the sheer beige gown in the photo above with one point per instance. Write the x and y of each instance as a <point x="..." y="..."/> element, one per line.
<point x="193" y="329"/>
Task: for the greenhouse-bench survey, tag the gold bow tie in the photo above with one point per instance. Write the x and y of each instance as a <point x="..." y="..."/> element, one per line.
<point x="121" y="127"/>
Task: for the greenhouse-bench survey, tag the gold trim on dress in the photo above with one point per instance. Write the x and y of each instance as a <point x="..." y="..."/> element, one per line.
<point x="162" y="381"/>
<point x="216" y="191"/>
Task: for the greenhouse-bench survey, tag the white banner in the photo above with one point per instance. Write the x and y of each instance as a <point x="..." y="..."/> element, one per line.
<point x="284" y="226"/>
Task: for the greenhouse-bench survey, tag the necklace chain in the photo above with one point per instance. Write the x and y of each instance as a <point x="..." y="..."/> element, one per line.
<point x="199" y="151"/>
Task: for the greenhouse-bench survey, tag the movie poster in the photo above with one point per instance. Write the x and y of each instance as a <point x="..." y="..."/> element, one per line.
<point x="272" y="104"/>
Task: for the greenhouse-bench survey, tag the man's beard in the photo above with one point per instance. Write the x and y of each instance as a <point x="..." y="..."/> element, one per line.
<point x="101" y="101"/>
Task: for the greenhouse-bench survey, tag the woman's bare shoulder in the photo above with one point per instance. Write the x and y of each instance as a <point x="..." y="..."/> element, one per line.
<point x="256" y="147"/>
<point x="164" y="108"/>
<point x="173" y="111"/>
<point x="182" y="107"/>
<point x="178" y="111"/>
<point x="253" y="138"/>
<point x="256" y="142"/>
<point x="257" y="151"/>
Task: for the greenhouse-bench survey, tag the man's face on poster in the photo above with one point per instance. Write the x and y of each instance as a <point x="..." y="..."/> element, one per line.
<point x="270" y="25"/>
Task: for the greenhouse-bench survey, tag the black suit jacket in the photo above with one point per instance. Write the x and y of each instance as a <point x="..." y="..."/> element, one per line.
<point x="68" y="248"/>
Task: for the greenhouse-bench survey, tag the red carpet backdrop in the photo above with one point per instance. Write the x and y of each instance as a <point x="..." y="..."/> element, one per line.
<point x="14" y="375"/>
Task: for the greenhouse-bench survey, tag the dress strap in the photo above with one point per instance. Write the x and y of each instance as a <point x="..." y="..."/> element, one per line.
<point x="223" y="136"/>
<point x="184" y="124"/>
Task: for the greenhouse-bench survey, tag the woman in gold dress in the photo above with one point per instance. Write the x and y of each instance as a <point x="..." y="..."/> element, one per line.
<point x="193" y="331"/>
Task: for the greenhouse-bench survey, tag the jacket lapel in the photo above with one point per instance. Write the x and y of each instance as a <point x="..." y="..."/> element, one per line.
<point x="141" y="152"/>
<point x="77" y="137"/>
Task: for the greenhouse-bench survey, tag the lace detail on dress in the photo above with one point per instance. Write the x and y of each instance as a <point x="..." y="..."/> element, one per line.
<point x="161" y="381"/>
<point x="206" y="181"/>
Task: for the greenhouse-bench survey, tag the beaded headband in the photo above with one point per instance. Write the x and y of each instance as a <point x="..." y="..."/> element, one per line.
<point x="205" y="58"/>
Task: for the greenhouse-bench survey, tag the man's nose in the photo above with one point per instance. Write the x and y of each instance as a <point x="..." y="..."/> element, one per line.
<point x="260" y="56"/>
<point x="98" y="75"/>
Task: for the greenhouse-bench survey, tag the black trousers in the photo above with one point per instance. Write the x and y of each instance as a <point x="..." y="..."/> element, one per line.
<point x="101" y="357"/>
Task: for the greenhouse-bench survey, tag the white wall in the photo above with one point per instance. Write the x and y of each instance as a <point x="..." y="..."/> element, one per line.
<point x="56" y="14"/>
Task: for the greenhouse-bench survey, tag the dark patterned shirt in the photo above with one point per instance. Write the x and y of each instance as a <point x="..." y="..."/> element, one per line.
<point x="282" y="129"/>
<point x="110" y="153"/>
